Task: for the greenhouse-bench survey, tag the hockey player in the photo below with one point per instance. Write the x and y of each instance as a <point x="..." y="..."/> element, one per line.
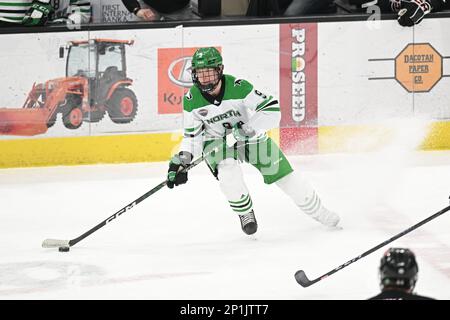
<point x="41" y="12"/>
<point x="219" y="105"/>
<point x="410" y="12"/>
<point x="398" y="276"/>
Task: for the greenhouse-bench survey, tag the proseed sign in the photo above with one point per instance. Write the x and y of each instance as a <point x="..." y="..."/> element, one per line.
<point x="298" y="75"/>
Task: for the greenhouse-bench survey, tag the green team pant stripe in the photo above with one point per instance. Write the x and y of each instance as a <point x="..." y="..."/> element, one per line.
<point x="240" y="205"/>
<point x="265" y="156"/>
<point x="244" y="199"/>
<point x="312" y="206"/>
<point x="244" y="209"/>
<point x="309" y="202"/>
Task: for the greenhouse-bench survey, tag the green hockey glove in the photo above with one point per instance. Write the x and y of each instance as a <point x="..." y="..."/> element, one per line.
<point x="38" y="14"/>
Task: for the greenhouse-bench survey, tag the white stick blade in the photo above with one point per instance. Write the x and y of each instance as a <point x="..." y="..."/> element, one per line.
<point x="55" y="243"/>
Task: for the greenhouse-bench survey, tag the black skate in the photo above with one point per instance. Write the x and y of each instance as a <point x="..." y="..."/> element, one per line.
<point x="248" y="223"/>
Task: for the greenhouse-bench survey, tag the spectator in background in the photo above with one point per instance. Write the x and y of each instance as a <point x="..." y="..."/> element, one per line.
<point x="290" y="7"/>
<point x="234" y="7"/>
<point x="410" y="12"/>
<point x="43" y="12"/>
<point x="398" y="276"/>
<point x="161" y="10"/>
<point x="267" y="8"/>
<point x="304" y="7"/>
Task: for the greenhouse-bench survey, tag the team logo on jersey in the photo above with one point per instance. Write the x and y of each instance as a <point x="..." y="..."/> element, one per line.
<point x="226" y="115"/>
<point x="188" y="95"/>
<point x="237" y="82"/>
<point x="203" y="112"/>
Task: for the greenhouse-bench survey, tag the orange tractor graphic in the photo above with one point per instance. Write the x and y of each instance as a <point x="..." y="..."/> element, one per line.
<point x="96" y="82"/>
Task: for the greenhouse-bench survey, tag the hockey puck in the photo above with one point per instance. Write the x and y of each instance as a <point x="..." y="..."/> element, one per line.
<point x="64" y="249"/>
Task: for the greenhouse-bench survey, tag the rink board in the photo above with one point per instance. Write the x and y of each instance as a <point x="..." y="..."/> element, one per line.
<point x="88" y="150"/>
<point x="339" y="90"/>
<point x="366" y="138"/>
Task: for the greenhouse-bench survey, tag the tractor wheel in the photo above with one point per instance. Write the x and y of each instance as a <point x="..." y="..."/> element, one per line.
<point x="95" y="116"/>
<point x="73" y="119"/>
<point x="122" y="106"/>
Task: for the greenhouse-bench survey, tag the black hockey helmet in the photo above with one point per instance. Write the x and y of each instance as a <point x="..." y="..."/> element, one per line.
<point x="398" y="269"/>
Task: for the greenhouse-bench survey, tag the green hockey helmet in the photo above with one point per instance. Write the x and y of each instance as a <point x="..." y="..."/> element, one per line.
<point x="207" y="58"/>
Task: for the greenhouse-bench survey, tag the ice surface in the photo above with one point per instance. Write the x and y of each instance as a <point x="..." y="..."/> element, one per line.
<point x="186" y="243"/>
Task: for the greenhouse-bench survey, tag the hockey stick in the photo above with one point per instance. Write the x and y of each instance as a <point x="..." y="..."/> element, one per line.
<point x="303" y="280"/>
<point x="55" y="243"/>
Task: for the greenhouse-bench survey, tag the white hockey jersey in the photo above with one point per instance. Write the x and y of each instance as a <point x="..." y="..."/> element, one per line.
<point x="208" y="118"/>
<point x="79" y="11"/>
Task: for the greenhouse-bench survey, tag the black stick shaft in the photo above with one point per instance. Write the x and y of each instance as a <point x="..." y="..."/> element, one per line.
<point x="118" y="213"/>
<point x="130" y="205"/>
<point x="303" y="280"/>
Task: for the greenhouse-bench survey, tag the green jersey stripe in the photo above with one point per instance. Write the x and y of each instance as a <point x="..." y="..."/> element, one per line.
<point x="190" y="130"/>
<point x="272" y="103"/>
<point x="270" y="109"/>
<point x="264" y="103"/>
<point x="190" y="135"/>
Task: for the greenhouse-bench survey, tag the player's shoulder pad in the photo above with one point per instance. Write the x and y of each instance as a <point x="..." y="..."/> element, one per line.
<point x="188" y="95"/>
<point x="238" y="88"/>
<point x="188" y="100"/>
<point x="193" y="100"/>
<point x="241" y="83"/>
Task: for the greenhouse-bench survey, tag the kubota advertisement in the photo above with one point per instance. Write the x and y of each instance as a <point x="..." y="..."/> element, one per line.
<point x="103" y="83"/>
<point x="95" y="83"/>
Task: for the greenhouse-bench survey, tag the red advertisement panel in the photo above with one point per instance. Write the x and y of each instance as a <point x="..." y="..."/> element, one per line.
<point x="174" y="78"/>
<point x="298" y="88"/>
